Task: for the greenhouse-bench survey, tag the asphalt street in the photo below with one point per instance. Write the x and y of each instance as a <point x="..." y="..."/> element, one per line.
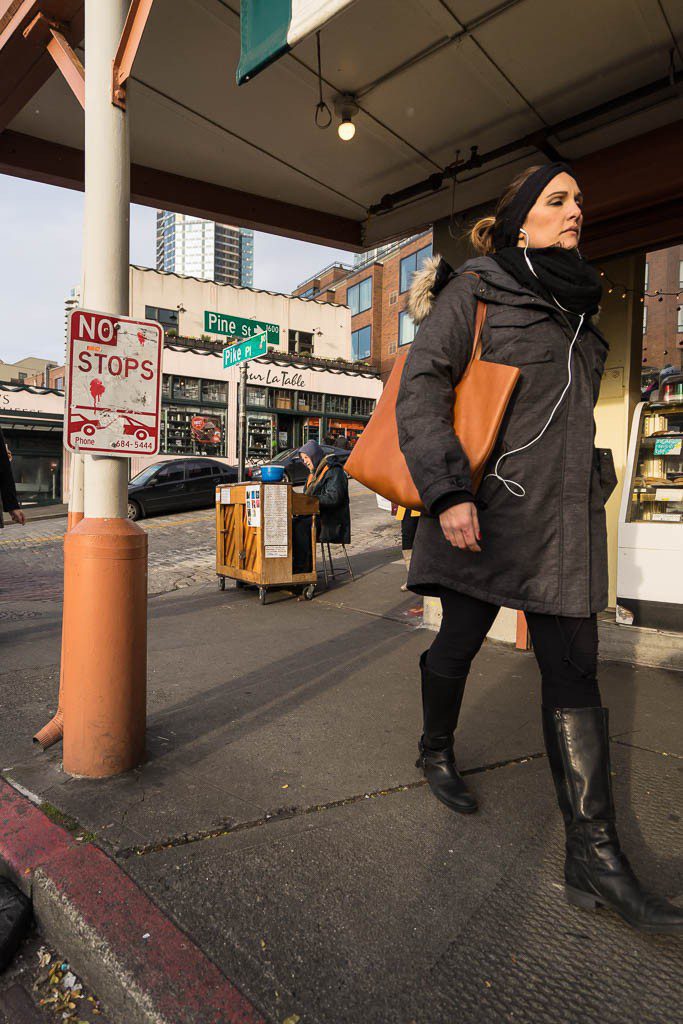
<point x="181" y="549"/>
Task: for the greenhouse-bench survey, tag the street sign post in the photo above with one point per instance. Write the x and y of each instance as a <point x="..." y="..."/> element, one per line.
<point x="243" y="350"/>
<point x="239" y="328"/>
<point x="241" y="353"/>
<point x="114" y="393"/>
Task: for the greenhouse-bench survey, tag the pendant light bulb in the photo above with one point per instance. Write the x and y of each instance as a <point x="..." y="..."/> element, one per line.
<point x="346" y="108"/>
<point x="346" y="129"/>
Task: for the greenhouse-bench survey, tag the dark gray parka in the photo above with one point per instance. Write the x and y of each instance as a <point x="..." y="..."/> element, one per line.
<point x="545" y="552"/>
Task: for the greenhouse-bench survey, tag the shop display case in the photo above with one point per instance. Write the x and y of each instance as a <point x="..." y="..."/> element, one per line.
<point x="650" y="559"/>
<point x="259" y="437"/>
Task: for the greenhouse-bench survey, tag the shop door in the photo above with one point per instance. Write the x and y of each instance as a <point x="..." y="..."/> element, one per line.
<point x="286" y="433"/>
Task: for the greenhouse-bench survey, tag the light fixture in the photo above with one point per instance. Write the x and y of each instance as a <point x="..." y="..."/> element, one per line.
<point x="346" y="129"/>
<point x="346" y="108"/>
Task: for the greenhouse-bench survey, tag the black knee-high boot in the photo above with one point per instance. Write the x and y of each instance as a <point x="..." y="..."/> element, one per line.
<point x="441" y="700"/>
<point x="596" y="871"/>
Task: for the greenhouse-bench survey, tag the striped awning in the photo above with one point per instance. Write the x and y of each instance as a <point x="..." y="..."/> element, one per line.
<point x="270" y="28"/>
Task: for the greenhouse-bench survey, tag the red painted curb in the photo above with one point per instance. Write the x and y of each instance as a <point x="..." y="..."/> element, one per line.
<point x="28" y="839"/>
<point x="176" y="980"/>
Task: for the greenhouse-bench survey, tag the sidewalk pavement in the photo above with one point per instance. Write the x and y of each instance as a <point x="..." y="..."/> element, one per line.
<point x="280" y="822"/>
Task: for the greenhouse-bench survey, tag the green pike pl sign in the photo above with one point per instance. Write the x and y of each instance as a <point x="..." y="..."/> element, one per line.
<point x="243" y="350"/>
<point x="239" y="328"/>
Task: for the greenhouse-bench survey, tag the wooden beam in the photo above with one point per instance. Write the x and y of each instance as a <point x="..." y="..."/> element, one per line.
<point x="25" y="156"/>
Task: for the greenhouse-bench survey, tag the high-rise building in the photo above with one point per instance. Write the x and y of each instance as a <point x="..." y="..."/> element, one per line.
<point x="201" y="248"/>
<point x="71" y="302"/>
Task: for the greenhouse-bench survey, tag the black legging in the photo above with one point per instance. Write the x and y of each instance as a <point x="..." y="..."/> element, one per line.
<point x="566" y="648"/>
<point x="408" y="531"/>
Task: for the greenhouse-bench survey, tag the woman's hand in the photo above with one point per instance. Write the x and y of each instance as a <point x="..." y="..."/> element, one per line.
<point x="460" y="526"/>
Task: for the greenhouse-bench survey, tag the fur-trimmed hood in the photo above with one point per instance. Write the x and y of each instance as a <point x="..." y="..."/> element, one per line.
<point x="421" y="299"/>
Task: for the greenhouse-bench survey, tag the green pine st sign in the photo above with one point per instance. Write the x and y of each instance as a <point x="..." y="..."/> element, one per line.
<point x="238" y="327"/>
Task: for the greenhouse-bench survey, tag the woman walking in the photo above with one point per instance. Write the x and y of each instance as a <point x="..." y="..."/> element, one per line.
<point x="535" y="537"/>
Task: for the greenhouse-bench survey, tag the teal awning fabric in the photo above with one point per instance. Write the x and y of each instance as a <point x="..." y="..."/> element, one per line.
<point x="264" y="25"/>
<point x="270" y="28"/>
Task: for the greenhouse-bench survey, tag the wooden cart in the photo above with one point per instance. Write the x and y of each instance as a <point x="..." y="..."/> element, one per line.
<point x="254" y="538"/>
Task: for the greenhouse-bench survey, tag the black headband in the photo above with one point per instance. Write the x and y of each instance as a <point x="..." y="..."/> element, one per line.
<point x="506" y="228"/>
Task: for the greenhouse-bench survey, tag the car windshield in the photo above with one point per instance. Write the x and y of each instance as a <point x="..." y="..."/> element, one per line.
<point x="144" y="475"/>
<point x="284" y="456"/>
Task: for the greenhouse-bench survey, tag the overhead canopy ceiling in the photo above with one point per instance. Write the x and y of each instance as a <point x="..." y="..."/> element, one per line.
<point x="432" y="79"/>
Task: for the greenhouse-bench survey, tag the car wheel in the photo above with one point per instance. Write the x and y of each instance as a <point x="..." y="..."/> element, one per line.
<point x="134" y="510"/>
<point x="141" y="435"/>
<point x="89" y="430"/>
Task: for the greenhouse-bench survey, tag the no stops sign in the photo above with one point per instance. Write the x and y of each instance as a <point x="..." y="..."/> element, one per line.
<point x="114" y="389"/>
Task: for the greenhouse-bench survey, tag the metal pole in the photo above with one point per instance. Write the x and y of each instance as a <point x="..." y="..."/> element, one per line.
<point x="242" y="438"/>
<point x="105" y="555"/>
<point x="106" y="215"/>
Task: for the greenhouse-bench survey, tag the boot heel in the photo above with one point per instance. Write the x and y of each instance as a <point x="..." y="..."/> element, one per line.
<point x="578" y="898"/>
<point x="418" y="763"/>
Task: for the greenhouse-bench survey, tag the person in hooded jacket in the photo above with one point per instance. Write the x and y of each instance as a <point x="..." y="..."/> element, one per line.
<point x="328" y="482"/>
<point x="9" y="502"/>
<point x="534" y="537"/>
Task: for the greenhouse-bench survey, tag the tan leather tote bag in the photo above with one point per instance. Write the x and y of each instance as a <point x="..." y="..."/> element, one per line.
<point x="481" y="398"/>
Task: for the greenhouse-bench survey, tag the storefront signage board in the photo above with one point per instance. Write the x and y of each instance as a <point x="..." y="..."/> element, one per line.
<point x="238" y="327"/>
<point x="252" y="349"/>
<point x="113" y="400"/>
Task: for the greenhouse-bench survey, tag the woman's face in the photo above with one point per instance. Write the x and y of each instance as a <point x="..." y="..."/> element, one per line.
<point x="556" y="216"/>
<point x="307" y="461"/>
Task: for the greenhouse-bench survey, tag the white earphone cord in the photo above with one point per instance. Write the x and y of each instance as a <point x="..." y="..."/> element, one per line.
<point x="510" y="484"/>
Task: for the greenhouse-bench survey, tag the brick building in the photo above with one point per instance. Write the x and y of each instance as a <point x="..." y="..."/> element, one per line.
<point x="376" y="290"/>
<point x="663" y="313"/>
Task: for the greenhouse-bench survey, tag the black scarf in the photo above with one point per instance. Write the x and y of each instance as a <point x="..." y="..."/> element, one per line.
<point x="559" y="273"/>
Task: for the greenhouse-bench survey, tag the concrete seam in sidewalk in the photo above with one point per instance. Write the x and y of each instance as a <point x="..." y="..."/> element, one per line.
<point x="287" y="813"/>
<point x="145" y="969"/>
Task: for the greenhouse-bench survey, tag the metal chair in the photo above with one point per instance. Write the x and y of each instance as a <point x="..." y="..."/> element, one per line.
<point x="334" y="573"/>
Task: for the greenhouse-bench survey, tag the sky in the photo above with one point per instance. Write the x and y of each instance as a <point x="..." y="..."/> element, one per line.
<point x="40" y="261"/>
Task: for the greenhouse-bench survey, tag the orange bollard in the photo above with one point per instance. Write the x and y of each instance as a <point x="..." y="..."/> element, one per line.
<point x="54" y="730"/>
<point x="104" y="647"/>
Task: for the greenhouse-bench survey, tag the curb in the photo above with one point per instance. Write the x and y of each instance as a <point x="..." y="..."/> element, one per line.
<point x="142" y="966"/>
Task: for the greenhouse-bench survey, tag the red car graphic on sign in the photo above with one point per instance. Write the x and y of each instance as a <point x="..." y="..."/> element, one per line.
<point x="82" y="424"/>
<point x="137" y="428"/>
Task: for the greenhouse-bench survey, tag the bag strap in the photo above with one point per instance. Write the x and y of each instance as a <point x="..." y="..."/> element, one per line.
<point x="478" y="325"/>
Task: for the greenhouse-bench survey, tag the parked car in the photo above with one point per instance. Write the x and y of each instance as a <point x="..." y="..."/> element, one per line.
<point x="176" y="486"/>
<point x="295" y="470"/>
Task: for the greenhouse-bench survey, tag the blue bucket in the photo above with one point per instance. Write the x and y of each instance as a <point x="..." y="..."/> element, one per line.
<point x="272" y="474"/>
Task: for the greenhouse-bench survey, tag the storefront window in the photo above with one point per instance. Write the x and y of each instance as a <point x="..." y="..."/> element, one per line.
<point x="259" y="438"/>
<point x="362" y="406"/>
<point x="284" y="399"/>
<point x="337" y="404"/>
<point x="309" y="401"/>
<point x="194" y="431"/>
<point x="36" y="465"/>
<point x="186" y="387"/>
<point x="257" y="396"/>
<point x="214" y="391"/>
